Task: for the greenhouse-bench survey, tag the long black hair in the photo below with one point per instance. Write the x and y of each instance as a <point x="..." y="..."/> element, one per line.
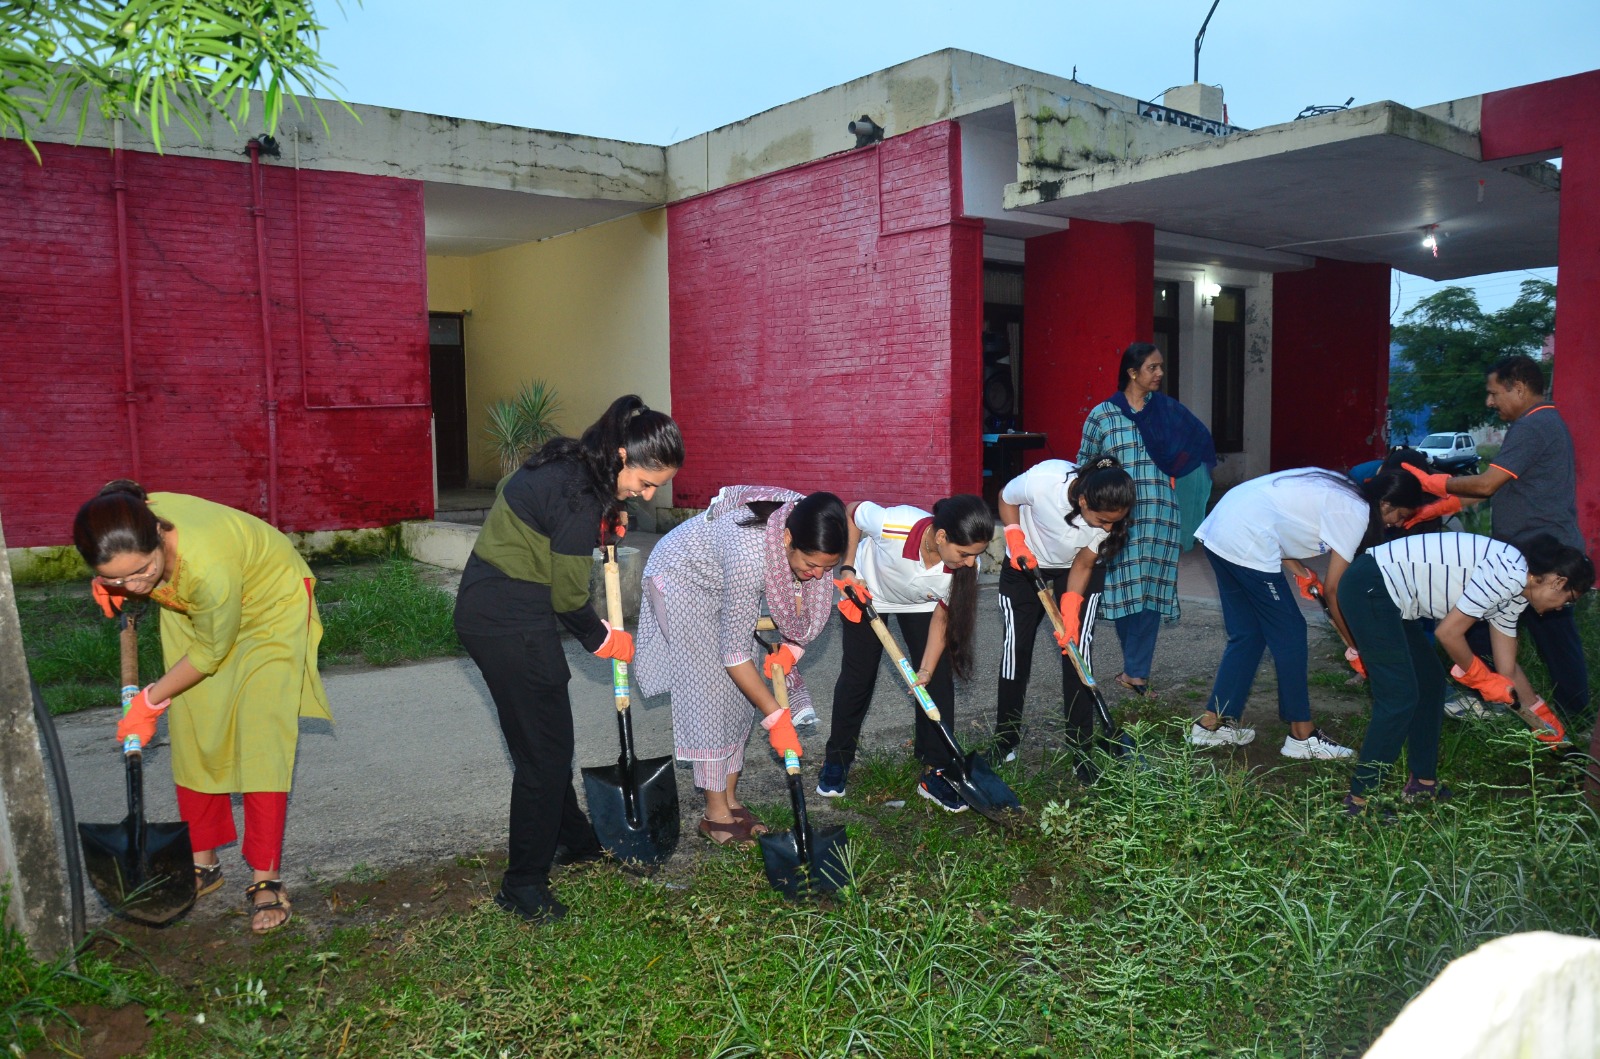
<point x="650" y="438"/>
<point x="1546" y="555"/>
<point x="966" y="520"/>
<point x="1396" y="488"/>
<point x="1103" y="485"/>
<point x="115" y="521"/>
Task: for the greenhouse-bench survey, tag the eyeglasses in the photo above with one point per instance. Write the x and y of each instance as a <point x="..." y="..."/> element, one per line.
<point x="138" y="575"/>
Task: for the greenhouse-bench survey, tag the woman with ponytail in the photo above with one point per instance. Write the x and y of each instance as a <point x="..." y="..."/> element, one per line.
<point x="528" y="579"/>
<point x="1069" y="522"/>
<point x="921" y="567"/>
<point x="239" y="635"/>
<point x="707" y="582"/>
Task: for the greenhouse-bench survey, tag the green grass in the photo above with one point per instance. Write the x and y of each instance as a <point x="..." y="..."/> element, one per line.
<point x="1184" y="908"/>
<point x="377" y="613"/>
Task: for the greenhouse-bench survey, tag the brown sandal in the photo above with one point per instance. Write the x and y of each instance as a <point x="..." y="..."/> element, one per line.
<point x="731" y="833"/>
<point x="207" y="879"/>
<point x="279" y="903"/>
<point x="750" y="820"/>
<point x="1137" y="689"/>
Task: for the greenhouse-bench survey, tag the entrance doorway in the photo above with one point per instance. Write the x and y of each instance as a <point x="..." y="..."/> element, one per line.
<point x="447" y="368"/>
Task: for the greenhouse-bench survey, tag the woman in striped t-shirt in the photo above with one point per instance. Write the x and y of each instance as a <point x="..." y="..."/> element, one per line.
<point x="1457" y="579"/>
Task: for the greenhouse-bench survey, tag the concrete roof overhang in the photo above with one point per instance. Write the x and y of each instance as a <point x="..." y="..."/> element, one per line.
<point x="462" y="220"/>
<point x="1358" y="185"/>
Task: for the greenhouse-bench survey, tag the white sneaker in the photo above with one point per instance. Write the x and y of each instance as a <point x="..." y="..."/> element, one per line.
<point x="805" y="716"/>
<point x="1315" y="746"/>
<point x="1226" y="733"/>
<point x="1465" y="704"/>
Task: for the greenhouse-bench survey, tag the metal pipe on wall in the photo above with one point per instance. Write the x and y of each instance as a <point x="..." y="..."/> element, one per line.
<point x="258" y="211"/>
<point x="119" y="187"/>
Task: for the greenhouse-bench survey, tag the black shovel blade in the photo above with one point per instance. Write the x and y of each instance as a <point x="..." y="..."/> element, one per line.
<point x="986" y="792"/>
<point x="790" y="873"/>
<point x="651" y="835"/>
<point x="149" y="879"/>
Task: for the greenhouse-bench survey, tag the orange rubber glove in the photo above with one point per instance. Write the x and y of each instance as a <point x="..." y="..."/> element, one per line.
<point x="110" y="602"/>
<point x="614" y="526"/>
<point x="847" y="606"/>
<point x="1307" y="581"/>
<point x="782" y="661"/>
<point x="1353" y="656"/>
<point x="781" y="734"/>
<point x="1017" y="547"/>
<point x="140" y="718"/>
<point x="1071" y="609"/>
<point x="1557" y="732"/>
<point x="1438" y="509"/>
<point x="618" y="644"/>
<point x="1433" y="483"/>
<point x="1485" y="681"/>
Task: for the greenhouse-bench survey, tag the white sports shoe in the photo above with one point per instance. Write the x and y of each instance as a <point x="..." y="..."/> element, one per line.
<point x="1465" y="704"/>
<point x="805" y="716"/>
<point x="1315" y="746"/>
<point x="1227" y="733"/>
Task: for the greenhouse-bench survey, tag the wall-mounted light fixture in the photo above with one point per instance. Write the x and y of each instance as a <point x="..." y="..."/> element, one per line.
<point x="866" y="131"/>
<point x="1209" y="292"/>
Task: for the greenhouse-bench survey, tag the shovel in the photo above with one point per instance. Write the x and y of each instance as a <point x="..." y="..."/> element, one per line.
<point x="144" y="871"/>
<point x="972" y="776"/>
<point x="1121" y="742"/>
<point x="634" y="803"/>
<point x="806" y="858"/>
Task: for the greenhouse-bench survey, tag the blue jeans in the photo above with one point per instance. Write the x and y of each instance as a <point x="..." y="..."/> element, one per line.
<point x="1136" y="633"/>
<point x="1404" y="673"/>
<point x="1260" y="614"/>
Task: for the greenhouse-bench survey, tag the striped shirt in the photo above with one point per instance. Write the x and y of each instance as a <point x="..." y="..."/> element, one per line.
<point x="1429" y="574"/>
<point x="889" y="559"/>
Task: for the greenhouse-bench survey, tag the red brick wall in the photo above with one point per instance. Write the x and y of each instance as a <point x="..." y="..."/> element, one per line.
<point x="1089" y="292"/>
<point x="199" y="367"/>
<point x="1330" y="364"/>
<point x="826" y="327"/>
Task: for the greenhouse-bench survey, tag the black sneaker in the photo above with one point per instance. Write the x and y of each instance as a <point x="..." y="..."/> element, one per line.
<point x="566" y="855"/>
<point x="940" y="792"/>
<point x="534" y="902"/>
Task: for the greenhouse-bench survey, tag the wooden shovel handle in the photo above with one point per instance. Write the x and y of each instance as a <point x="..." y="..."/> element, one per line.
<point x="780" y="685"/>
<point x="128" y="645"/>
<point x="620" y="689"/>
<point x="898" y="659"/>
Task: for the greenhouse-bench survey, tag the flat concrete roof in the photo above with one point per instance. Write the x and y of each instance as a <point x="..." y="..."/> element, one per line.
<point x="1358" y="185"/>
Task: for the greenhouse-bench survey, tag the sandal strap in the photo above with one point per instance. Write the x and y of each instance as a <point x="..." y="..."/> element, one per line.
<point x="274" y="885"/>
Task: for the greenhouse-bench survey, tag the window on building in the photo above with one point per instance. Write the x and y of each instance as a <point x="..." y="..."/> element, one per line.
<point x="1165" y="334"/>
<point x="1227" y="370"/>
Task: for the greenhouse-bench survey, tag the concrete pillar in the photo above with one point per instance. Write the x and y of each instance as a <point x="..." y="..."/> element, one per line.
<point x="30" y="859"/>
<point x="1330" y="364"/>
<point x="1538" y="121"/>
<point x="1087" y="293"/>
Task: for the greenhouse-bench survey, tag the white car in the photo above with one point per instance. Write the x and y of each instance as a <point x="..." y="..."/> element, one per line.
<point x="1451" y="453"/>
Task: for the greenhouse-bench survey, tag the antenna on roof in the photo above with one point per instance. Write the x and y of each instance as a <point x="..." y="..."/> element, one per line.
<point x="1200" y="37"/>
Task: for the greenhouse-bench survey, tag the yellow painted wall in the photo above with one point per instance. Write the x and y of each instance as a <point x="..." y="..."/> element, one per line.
<point x="586" y="312"/>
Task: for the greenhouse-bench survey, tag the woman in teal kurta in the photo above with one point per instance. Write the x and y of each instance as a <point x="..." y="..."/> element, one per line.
<point x="239" y="635"/>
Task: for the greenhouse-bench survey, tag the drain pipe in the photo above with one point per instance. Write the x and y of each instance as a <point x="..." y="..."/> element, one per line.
<point x="119" y="186"/>
<point x="258" y="210"/>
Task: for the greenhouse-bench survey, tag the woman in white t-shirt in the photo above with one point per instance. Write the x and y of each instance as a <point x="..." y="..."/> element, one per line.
<point x="1256" y="530"/>
<point x="1458" y="579"/>
<point x="1068" y="521"/>
<point x="922" y="567"/>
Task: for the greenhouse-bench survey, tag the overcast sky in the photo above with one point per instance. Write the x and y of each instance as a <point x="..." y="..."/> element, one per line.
<point x="661" y="72"/>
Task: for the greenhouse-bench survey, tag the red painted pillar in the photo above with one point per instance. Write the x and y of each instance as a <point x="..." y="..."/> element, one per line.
<point x="1088" y="292"/>
<point x="1330" y="364"/>
<point x="1538" y="121"/>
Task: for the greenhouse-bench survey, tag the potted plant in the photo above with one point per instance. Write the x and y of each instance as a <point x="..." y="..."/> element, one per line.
<point x="518" y="426"/>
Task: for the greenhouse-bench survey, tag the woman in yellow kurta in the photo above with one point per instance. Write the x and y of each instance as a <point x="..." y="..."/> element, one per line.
<point x="239" y="635"/>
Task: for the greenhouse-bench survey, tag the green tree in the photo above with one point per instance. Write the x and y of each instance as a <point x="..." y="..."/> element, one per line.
<point x="1447" y="343"/>
<point x="151" y="60"/>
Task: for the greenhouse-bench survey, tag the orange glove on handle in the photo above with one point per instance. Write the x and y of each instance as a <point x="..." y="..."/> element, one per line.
<point x="1556" y="731"/>
<point x="614" y="526"/>
<point x="1017" y="547"/>
<point x="1433" y="483"/>
<point x="1353" y="656"/>
<point x="110" y="602"/>
<point x="1307" y="581"/>
<point x="783" y="659"/>
<point x="1450" y="505"/>
<point x="139" y="720"/>
<point x="1485" y="681"/>
<point x="847" y="606"/>
<point x="618" y="644"/>
<point x="1071" y="608"/>
<point x="781" y="733"/>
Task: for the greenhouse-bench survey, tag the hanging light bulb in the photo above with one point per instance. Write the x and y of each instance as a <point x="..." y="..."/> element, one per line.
<point x="1430" y="241"/>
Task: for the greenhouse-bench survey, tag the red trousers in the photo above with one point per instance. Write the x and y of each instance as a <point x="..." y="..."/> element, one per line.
<point x="210" y="820"/>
